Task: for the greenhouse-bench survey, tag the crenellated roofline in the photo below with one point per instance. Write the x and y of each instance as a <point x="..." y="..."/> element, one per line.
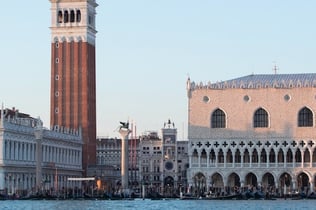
<point x="259" y="81"/>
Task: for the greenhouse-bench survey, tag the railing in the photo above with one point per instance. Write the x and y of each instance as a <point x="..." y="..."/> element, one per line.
<point x="252" y="165"/>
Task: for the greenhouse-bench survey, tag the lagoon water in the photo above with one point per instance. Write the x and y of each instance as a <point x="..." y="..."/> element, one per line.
<point x="157" y="204"/>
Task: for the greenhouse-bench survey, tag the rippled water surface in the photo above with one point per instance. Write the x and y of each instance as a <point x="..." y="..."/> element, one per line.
<point x="158" y="204"/>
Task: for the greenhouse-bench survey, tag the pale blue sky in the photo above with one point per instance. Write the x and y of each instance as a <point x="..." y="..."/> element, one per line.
<point x="147" y="48"/>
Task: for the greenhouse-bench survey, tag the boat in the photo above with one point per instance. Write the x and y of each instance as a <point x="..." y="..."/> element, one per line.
<point x="237" y="196"/>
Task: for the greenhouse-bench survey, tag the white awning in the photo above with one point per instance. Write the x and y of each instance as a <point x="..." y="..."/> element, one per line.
<point x="81" y="179"/>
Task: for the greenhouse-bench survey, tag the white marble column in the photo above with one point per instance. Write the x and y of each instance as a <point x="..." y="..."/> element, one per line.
<point x="311" y="186"/>
<point x="207" y="159"/>
<point x="294" y="183"/>
<point x="250" y="159"/>
<point x="38" y="131"/>
<point x="233" y="154"/>
<point x="311" y="159"/>
<point x="124" y="159"/>
<point x="225" y="159"/>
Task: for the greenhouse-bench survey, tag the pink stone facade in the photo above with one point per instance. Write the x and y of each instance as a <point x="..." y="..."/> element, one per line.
<point x="279" y="156"/>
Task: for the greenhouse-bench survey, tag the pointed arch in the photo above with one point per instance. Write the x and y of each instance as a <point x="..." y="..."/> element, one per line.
<point x="268" y="180"/>
<point x="285" y="181"/>
<point x="298" y="156"/>
<point x="272" y="156"/>
<point x="251" y="179"/>
<point x="280" y="156"/>
<point x="261" y="118"/>
<point x="203" y="158"/>
<point x="305" y="117"/>
<point x="255" y="158"/>
<point x="217" y="182"/>
<point x="263" y="156"/>
<point x="246" y="156"/>
<point x="212" y="157"/>
<point x="195" y="157"/>
<point x="220" y="156"/>
<point x="302" y="182"/>
<point x="199" y="183"/>
<point x="306" y="156"/>
<point x="233" y="180"/>
<point x="229" y="156"/>
<point x="289" y="156"/>
<point x="218" y="119"/>
<point x="237" y="156"/>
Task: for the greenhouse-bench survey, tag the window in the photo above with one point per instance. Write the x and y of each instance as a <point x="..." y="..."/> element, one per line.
<point x="60" y="17"/>
<point x="72" y="16"/>
<point x="305" y="118"/>
<point x="218" y="119"/>
<point x="261" y="119"/>
<point x="57" y="93"/>
<point x="66" y="17"/>
<point x="206" y="99"/>
<point x="287" y="97"/>
<point x="78" y="16"/>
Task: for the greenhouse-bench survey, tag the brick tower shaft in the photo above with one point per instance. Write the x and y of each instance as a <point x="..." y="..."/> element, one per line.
<point x="73" y="71"/>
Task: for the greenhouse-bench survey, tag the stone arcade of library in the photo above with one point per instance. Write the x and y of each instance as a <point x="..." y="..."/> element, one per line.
<point x="35" y="159"/>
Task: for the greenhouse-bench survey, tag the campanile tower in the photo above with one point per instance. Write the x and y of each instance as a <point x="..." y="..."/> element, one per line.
<point x="73" y="87"/>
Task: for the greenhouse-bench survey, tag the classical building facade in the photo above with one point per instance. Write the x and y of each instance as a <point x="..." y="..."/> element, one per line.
<point x="73" y="86"/>
<point x="163" y="161"/>
<point x="36" y="159"/>
<point x="108" y="167"/>
<point x="156" y="165"/>
<point x="253" y="131"/>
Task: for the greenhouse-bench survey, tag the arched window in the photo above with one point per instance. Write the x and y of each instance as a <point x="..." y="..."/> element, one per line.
<point x="260" y="119"/>
<point x="60" y="17"/>
<point x="72" y="16"/>
<point x="218" y="119"/>
<point x="305" y="118"/>
<point x="66" y="17"/>
<point x="78" y="16"/>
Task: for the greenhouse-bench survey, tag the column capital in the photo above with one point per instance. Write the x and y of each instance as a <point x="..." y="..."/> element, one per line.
<point x="124" y="132"/>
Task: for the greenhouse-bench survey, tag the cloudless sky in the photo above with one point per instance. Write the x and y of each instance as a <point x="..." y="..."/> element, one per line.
<point x="146" y="49"/>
